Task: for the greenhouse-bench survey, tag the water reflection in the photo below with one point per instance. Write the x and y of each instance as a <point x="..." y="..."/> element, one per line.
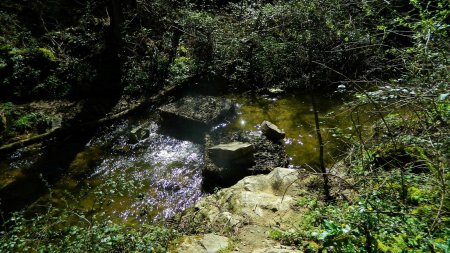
<point x="152" y="179"/>
<point x="161" y="175"/>
<point x="293" y="113"/>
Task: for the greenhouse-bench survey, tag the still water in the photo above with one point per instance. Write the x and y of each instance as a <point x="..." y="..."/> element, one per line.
<point x="160" y="175"/>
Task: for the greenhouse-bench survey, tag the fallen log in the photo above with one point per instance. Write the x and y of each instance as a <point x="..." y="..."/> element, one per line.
<point x="88" y="125"/>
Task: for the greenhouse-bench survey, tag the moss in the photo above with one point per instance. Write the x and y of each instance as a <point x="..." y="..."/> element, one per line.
<point x="387" y="248"/>
<point x="418" y="196"/>
<point x="424" y="210"/>
<point x="47" y="53"/>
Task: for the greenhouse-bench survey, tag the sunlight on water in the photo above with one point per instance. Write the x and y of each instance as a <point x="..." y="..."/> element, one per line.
<point x="294" y="114"/>
<point x="155" y="178"/>
<point x="152" y="179"/>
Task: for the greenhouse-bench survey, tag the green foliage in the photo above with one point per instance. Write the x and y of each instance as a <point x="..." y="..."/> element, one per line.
<point x="16" y="121"/>
<point x="64" y="226"/>
<point x="46" y="233"/>
<point x="288" y="41"/>
<point x="373" y="223"/>
<point x="31" y="71"/>
<point x="181" y="69"/>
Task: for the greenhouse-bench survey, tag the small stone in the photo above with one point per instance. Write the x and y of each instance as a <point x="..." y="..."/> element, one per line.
<point x="138" y="134"/>
<point x="271" y="131"/>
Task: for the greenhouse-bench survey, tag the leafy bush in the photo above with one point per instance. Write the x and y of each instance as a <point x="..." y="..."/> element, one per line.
<point x="62" y="226"/>
<point x="29" y="72"/>
<point x="53" y="232"/>
<point x="16" y="121"/>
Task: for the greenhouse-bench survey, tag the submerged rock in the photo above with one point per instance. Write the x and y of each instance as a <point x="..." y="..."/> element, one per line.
<point x="271" y="131"/>
<point x="199" y="112"/>
<point x="208" y="243"/>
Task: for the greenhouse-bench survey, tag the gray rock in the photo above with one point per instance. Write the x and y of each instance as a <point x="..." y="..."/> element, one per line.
<point x="233" y="153"/>
<point x="254" y="198"/>
<point x="265" y="156"/>
<point x="199" y="112"/>
<point x="229" y="163"/>
<point x="209" y="243"/>
<point x="271" y="131"/>
<point x="139" y="133"/>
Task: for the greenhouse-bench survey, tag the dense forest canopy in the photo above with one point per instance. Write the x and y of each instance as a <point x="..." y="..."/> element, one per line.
<point x="391" y="58"/>
<point x="70" y="48"/>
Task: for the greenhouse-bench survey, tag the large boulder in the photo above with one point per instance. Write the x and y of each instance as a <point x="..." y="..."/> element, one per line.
<point x="195" y="113"/>
<point x="233" y="153"/>
<point x="253" y="154"/>
<point x="271" y="131"/>
<point x="250" y="208"/>
<point x="227" y="163"/>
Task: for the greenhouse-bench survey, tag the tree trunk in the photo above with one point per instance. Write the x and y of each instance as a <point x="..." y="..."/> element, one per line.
<point x="323" y="170"/>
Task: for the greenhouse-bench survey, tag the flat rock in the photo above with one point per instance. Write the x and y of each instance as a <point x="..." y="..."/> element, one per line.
<point x="271" y="131"/>
<point x="208" y="243"/>
<point x="232" y="153"/>
<point x="196" y="111"/>
<point x="229" y="163"/>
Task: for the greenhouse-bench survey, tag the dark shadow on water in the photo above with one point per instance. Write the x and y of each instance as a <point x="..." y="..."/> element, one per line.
<point x="184" y="132"/>
<point x="54" y="161"/>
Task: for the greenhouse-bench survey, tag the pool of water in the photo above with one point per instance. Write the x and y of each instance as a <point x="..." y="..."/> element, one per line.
<point x="161" y="175"/>
<point x="293" y="113"/>
<point x="149" y="180"/>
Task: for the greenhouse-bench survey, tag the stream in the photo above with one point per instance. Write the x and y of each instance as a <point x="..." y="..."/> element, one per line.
<point x="102" y="173"/>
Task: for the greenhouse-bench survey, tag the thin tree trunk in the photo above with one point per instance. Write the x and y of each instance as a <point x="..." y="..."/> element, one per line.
<point x="323" y="170"/>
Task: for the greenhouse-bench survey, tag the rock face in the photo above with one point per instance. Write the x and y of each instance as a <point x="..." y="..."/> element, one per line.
<point x="251" y="198"/>
<point x="208" y="243"/>
<point x="252" y="207"/>
<point x="200" y="112"/>
<point x="271" y="131"/>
